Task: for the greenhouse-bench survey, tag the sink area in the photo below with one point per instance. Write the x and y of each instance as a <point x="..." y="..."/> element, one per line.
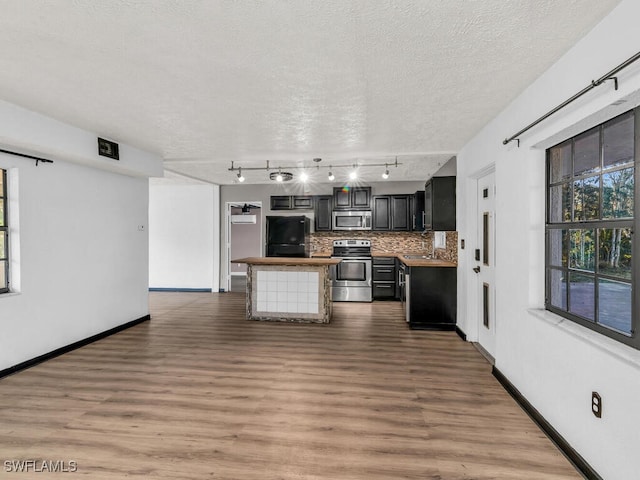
<point x="417" y="257"/>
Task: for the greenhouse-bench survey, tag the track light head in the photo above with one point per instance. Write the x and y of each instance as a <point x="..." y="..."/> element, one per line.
<point x="240" y="176"/>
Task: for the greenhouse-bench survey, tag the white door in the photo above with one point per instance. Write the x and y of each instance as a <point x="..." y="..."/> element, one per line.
<point x="484" y="256"/>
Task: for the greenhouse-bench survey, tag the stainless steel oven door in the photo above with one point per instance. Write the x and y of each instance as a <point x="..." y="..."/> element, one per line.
<point x="352" y="272"/>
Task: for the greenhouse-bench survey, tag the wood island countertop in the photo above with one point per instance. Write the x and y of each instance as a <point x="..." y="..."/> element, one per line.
<point x="303" y="261"/>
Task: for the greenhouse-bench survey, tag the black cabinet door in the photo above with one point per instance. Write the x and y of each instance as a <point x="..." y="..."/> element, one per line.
<point x="280" y="202"/>
<point x="400" y="213"/>
<point x="418" y="211"/>
<point x="323" y="205"/>
<point x="361" y="198"/>
<point x="381" y="213"/>
<point x="351" y="198"/>
<point x="303" y="202"/>
<point x="440" y="204"/>
<point x="433" y="298"/>
<point x="341" y="198"/>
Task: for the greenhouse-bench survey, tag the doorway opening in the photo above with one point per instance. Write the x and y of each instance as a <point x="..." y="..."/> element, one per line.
<point x="244" y="239"/>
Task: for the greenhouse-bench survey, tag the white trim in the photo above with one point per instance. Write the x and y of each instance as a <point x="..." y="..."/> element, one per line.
<point x="483" y="172"/>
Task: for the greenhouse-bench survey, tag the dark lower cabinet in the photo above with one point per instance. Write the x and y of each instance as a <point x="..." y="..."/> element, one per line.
<point x="431" y="298"/>
<point x="384" y="278"/>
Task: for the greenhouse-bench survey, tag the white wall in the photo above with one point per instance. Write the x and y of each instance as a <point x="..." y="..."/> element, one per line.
<point x="83" y="261"/>
<point x="183" y="236"/>
<point x="556" y="364"/>
<point x="79" y="259"/>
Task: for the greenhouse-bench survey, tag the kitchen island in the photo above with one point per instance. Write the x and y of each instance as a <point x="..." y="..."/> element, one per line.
<point x="288" y="289"/>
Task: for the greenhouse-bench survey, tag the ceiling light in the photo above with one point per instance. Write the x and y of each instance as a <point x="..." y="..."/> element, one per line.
<point x="353" y="175"/>
<point x="304" y="177"/>
<point x="331" y="176"/>
<point x="385" y="175"/>
<point x="280" y="176"/>
<point x="240" y="176"/>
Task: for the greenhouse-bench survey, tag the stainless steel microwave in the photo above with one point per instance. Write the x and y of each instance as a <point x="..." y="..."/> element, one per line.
<point x="352" y="220"/>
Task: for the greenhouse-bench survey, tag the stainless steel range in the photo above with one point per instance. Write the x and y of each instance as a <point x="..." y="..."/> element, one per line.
<point x="352" y="276"/>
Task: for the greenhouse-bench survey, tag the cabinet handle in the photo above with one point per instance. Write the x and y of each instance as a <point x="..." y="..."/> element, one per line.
<point x="383" y="271"/>
<point x="414" y="221"/>
<point x="383" y="286"/>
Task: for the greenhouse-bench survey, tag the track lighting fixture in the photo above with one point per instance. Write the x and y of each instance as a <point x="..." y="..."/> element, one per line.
<point x="284" y="176"/>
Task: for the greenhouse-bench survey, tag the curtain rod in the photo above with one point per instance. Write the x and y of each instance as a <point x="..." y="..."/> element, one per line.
<point x="594" y="83"/>
<point x="31" y="157"/>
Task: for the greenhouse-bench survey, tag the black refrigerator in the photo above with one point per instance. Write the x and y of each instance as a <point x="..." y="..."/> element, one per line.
<point x="288" y="236"/>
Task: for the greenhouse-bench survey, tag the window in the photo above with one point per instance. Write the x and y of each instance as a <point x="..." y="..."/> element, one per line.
<point x="4" y="234"/>
<point x="591" y="198"/>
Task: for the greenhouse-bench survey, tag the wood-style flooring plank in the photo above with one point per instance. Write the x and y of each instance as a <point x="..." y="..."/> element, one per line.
<point x="199" y="392"/>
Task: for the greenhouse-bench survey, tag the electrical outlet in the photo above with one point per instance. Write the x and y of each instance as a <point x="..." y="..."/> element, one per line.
<point x="596" y="404"/>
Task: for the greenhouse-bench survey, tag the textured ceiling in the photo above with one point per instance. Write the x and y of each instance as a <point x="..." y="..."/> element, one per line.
<point x="204" y="83"/>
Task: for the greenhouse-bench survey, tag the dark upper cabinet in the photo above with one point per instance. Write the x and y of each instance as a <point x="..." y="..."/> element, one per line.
<point x="280" y="202"/>
<point x="361" y="198"/>
<point x="440" y="204"/>
<point x="353" y="198"/>
<point x="322" y="207"/>
<point x="400" y="212"/>
<point x="417" y="221"/>
<point x="381" y="212"/>
<point x="391" y="212"/>
<point x="291" y="202"/>
<point x="302" y="202"/>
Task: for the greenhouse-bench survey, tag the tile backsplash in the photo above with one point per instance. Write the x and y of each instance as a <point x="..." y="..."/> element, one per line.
<point x="391" y="242"/>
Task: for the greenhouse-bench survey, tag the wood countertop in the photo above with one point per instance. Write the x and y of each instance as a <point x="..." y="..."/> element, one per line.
<point x="317" y="261"/>
<point x="410" y="262"/>
<point x="424" y="262"/>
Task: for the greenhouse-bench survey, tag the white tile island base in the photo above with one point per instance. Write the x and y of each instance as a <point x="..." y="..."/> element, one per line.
<point x="289" y="290"/>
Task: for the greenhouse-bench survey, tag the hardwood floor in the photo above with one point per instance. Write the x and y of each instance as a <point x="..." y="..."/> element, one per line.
<point x="200" y="392"/>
